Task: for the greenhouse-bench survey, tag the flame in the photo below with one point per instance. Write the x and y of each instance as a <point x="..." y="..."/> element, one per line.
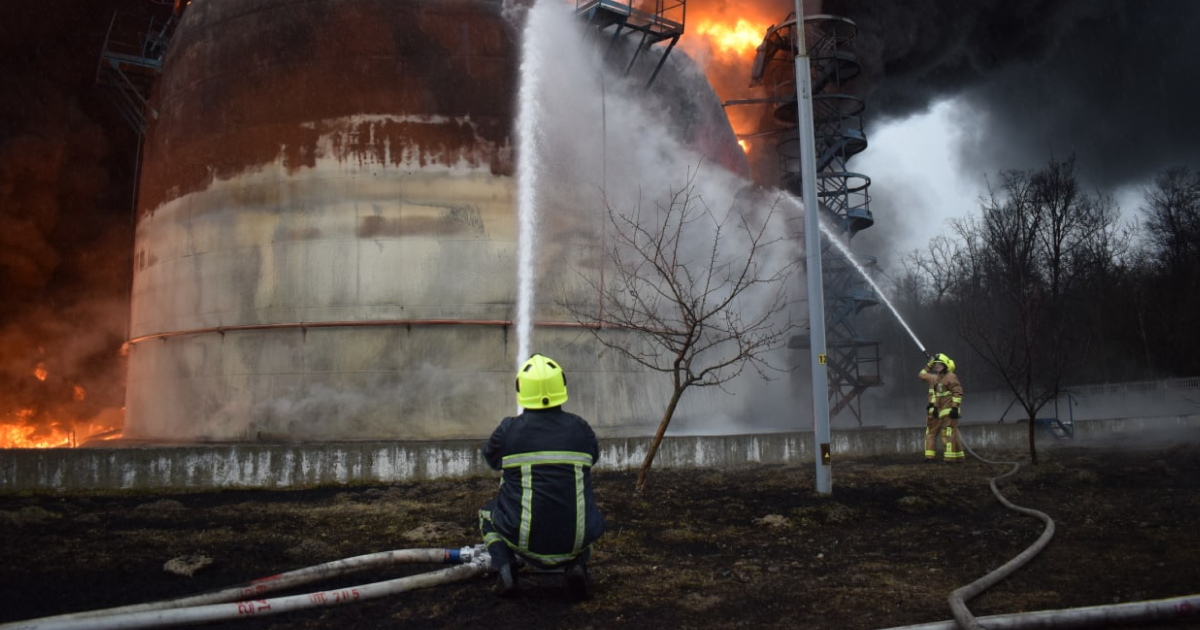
<point x="740" y="40"/>
<point x="40" y="372"/>
<point x="105" y="436"/>
<point x="19" y="434"/>
<point x="22" y="429"/>
<point x="725" y="46"/>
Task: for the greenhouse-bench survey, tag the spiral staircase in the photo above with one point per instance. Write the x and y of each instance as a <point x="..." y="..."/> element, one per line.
<point x="842" y="194"/>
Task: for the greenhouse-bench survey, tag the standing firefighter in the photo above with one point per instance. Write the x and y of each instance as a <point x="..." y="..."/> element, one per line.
<point x="942" y="412"/>
<point x="545" y="511"/>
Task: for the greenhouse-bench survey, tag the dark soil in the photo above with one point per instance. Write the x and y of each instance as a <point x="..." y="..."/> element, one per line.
<point x="753" y="547"/>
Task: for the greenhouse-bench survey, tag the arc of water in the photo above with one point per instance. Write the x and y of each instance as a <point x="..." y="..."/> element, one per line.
<point x="528" y="167"/>
<point x="845" y="251"/>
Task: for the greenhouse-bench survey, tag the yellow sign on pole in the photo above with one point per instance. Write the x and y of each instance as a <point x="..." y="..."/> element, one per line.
<point x="821" y="359"/>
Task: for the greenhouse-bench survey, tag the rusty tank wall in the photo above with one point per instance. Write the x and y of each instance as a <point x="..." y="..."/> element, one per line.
<point x="326" y="232"/>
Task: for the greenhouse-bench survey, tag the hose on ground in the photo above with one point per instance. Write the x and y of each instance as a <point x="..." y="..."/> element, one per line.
<point x="959" y="597"/>
<point x="231" y="603"/>
<point x="290" y="579"/>
<point x="1175" y="609"/>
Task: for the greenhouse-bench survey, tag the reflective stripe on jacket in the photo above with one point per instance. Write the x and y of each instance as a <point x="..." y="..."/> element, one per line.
<point x="545" y="508"/>
<point x="945" y="391"/>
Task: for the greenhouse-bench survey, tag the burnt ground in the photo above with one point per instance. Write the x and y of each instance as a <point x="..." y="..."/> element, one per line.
<point x="753" y="547"/>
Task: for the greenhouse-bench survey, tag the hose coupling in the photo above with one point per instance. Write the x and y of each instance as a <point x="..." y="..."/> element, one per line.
<point x="476" y="553"/>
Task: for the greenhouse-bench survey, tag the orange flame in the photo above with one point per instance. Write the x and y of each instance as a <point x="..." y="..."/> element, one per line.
<point x="40" y="372"/>
<point x="725" y="47"/>
<point x="740" y="40"/>
<point x="20" y="435"/>
<point x="23" y="429"/>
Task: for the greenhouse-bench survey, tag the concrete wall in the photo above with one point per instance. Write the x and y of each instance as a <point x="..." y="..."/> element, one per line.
<point x="305" y="465"/>
<point x="1106" y="401"/>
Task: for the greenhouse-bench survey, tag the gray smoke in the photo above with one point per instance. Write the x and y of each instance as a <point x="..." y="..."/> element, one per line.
<point x="1111" y="81"/>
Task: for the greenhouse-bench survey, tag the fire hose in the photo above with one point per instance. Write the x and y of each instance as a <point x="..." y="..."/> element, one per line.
<point x="1179" y="608"/>
<point x="233" y="602"/>
<point x="958" y="598"/>
<point x="1184" y="608"/>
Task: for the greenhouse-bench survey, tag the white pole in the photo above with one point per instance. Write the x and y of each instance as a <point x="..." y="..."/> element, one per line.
<point x="812" y="254"/>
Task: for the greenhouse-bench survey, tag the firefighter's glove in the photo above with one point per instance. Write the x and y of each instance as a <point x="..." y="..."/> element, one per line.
<point x="954" y="413"/>
<point x="930" y="409"/>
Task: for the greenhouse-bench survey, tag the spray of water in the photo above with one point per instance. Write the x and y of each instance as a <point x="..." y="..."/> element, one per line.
<point x="832" y="237"/>
<point x="577" y="131"/>
<point x="528" y="168"/>
<point x="845" y="251"/>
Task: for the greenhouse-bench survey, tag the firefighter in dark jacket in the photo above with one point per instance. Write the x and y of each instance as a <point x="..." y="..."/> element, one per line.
<point x="943" y="410"/>
<point x="545" y="511"/>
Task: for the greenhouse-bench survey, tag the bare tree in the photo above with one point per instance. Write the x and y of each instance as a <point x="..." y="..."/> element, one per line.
<point x="1019" y="277"/>
<point x="930" y="272"/>
<point x="1173" y="217"/>
<point x="1172" y="286"/>
<point x="704" y="291"/>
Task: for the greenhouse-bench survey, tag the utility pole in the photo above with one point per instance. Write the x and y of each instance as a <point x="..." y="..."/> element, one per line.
<point x="812" y="254"/>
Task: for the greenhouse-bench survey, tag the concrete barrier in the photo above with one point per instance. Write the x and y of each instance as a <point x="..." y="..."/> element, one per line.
<point x="264" y="465"/>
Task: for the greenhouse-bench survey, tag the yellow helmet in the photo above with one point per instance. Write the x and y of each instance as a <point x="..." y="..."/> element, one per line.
<point x="541" y="383"/>
<point x="944" y="360"/>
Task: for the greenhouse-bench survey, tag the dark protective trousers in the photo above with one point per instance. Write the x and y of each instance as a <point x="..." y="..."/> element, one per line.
<point x="953" y="441"/>
<point x="944" y="428"/>
<point x="933" y="430"/>
<point x="502" y="554"/>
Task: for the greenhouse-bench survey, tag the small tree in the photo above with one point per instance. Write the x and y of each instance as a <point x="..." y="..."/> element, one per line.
<point x="699" y="290"/>
<point x="1020" y="280"/>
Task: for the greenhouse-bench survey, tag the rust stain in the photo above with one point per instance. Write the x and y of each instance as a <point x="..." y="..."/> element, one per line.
<point x="460" y="221"/>
<point x="243" y="88"/>
<point x="424" y="142"/>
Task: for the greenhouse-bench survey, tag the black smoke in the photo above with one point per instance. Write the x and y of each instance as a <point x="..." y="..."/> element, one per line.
<point x="66" y="184"/>
<point x="1113" y="82"/>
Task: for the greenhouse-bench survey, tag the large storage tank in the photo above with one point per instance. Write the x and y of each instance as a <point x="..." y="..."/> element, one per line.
<point x="326" y="236"/>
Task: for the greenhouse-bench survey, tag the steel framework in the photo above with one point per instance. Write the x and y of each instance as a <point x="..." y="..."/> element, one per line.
<point x="650" y="21"/>
<point x="843" y="198"/>
<point x="131" y="63"/>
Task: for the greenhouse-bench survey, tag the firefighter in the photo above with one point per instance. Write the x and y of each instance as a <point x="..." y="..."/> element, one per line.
<point x="944" y="409"/>
<point x="545" y="511"/>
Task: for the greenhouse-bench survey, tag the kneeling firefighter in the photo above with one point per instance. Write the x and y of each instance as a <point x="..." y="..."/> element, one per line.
<point x="545" y="511"/>
<point x="944" y="409"/>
